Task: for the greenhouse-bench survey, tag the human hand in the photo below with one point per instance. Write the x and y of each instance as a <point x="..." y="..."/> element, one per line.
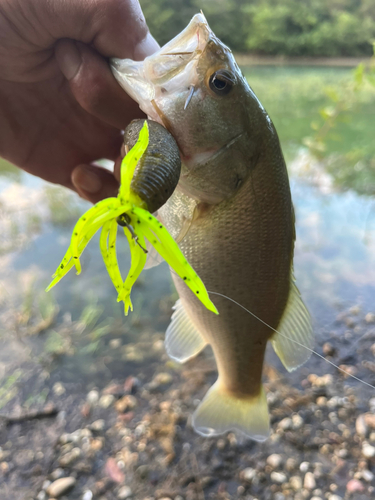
<point x="60" y="107"/>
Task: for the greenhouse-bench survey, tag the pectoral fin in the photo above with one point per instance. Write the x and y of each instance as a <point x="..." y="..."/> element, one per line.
<point x="153" y="257"/>
<point x="295" y="332"/>
<point x="182" y="339"/>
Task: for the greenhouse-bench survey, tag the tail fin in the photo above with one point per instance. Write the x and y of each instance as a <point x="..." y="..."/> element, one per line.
<point x="220" y="412"/>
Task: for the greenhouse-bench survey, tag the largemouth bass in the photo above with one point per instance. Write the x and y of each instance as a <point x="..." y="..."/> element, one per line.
<point x="232" y="216"/>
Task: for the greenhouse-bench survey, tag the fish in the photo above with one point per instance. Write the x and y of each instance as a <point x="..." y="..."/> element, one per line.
<point x="232" y="216"/>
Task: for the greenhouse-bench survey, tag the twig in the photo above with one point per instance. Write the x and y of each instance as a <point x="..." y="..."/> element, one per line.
<point x="47" y="412"/>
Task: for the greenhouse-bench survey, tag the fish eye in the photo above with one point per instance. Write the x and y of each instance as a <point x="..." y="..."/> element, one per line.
<point x="221" y="82"/>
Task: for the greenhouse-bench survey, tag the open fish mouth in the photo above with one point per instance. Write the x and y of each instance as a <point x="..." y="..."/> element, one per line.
<point x="171" y="69"/>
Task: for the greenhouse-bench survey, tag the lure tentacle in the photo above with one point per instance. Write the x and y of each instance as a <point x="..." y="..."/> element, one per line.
<point x="138" y="261"/>
<point x="130" y="162"/>
<point x="163" y="242"/>
<point x="141" y="225"/>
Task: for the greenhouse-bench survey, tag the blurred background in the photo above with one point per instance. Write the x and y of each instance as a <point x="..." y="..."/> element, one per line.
<point x="311" y="64"/>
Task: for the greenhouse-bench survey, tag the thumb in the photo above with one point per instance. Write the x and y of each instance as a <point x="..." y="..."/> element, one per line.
<point x="93" y="84"/>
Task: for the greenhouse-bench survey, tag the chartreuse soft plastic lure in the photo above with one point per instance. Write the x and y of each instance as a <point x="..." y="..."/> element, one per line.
<point x="130" y="211"/>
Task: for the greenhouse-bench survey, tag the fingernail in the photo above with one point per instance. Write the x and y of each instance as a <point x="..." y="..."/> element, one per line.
<point x="87" y="180"/>
<point x="145" y="48"/>
<point x="68" y="58"/>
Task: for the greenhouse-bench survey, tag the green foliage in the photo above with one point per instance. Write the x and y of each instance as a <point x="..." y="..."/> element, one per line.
<point x="355" y="169"/>
<point x="274" y="27"/>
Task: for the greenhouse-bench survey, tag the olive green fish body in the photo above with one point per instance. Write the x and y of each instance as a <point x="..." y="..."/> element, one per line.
<point x="243" y="248"/>
<point x="233" y="218"/>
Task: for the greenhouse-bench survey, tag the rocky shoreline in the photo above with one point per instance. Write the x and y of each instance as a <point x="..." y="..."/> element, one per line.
<point x="133" y="438"/>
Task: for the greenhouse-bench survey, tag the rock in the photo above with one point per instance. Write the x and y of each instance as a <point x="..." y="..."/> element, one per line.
<point x="297" y="421"/>
<point x="98" y="425"/>
<point x="106" y="400"/>
<point x="295" y="483"/>
<point x="361" y="427"/>
<point x="232" y="439"/>
<point x="126" y="403"/>
<point x="158" y="346"/>
<point x="124" y="492"/>
<point x="92" y="397"/>
<point x="163" y="378"/>
<point x="278" y="477"/>
<point x="370" y="318"/>
<point x="60" y="486"/>
<point x="290" y="464"/>
<point x="96" y="444"/>
<point x="342" y="453"/>
<point x="115" y="343"/>
<point x="248" y="474"/>
<point x="274" y="460"/>
<point x="87" y="495"/>
<point x="58" y="389"/>
<point x="322" y="381"/>
<point x="56" y="474"/>
<point x="279" y="496"/>
<point x="221" y="443"/>
<point x="113" y="471"/>
<point x="367" y="475"/>
<point x="140" y="430"/>
<point x="355" y="310"/>
<point x="76" y="436"/>
<point x="46" y="484"/>
<point x="354" y="486"/>
<point x="207" y="481"/>
<point x="370" y="420"/>
<point x="334" y="497"/>
<point x="328" y="349"/>
<point x="316" y="498"/>
<point x="4" y="467"/>
<point x="285" y="424"/>
<point x="368" y="451"/>
<point x="304" y="467"/>
<point x="69" y="457"/>
<point x="309" y="481"/>
<point x="41" y="495"/>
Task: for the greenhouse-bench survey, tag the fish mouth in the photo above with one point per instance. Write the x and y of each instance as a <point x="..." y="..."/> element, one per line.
<point x="168" y="70"/>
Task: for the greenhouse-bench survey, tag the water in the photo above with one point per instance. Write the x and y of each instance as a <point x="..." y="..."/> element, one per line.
<point x="78" y="332"/>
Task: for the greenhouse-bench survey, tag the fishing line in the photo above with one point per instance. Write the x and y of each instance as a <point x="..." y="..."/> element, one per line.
<point x="292" y="340"/>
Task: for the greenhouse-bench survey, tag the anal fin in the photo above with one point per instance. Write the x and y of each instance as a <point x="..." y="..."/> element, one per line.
<point x="295" y="340"/>
<point x="182" y="339"/>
